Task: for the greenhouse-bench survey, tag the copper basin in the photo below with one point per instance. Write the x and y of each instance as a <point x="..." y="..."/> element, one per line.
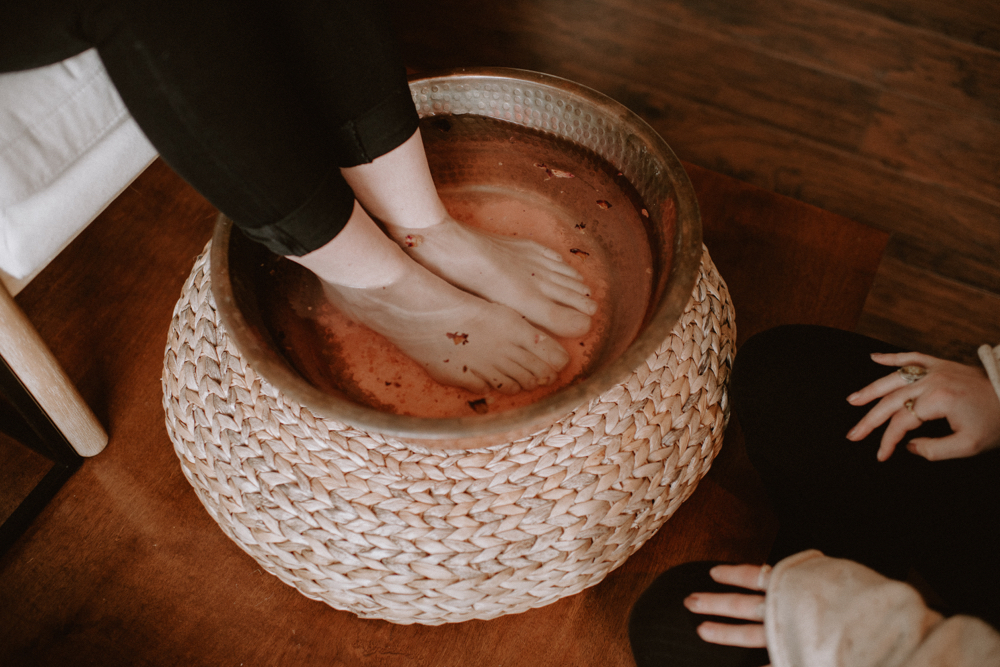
<point x="571" y="118"/>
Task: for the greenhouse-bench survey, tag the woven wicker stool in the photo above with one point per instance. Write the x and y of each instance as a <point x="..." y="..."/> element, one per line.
<point x="389" y="530"/>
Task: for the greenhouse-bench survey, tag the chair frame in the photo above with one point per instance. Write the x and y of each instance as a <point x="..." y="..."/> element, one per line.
<point x="43" y="411"/>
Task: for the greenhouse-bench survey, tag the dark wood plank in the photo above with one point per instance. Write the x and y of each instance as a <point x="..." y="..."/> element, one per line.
<point x="917" y="309"/>
<point x="974" y="21"/>
<point x="928" y="144"/>
<point x="632" y="44"/>
<point x="734" y="62"/>
<point x="851" y="44"/>
<point x="125" y="567"/>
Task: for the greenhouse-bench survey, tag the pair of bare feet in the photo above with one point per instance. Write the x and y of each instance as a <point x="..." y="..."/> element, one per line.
<point x="475" y="310"/>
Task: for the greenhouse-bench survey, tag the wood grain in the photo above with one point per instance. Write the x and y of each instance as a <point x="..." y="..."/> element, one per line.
<point x="975" y="21"/>
<point x="895" y="289"/>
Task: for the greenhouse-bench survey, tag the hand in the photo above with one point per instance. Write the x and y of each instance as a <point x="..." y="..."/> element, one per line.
<point x="961" y="394"/>
<point x="733" y="605"/>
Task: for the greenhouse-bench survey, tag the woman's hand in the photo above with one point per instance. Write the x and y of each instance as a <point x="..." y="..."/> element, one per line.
<point x="961" y="394"/>
<point x="748" y="607"/>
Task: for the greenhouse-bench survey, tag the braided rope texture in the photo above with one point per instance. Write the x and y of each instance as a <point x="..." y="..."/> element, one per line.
<point x="387" y="530"/>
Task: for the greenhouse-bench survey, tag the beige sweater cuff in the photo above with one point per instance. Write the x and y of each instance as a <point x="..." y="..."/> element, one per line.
<point x="990" y="357"/>
<point x="828" y="612"/>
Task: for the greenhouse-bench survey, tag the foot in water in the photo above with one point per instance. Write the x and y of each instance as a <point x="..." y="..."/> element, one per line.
<point x="459" y="339"/>
<point x="521" y="274"/>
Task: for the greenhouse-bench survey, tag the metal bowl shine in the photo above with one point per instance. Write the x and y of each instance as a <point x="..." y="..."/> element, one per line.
<point x="566" y="112"/>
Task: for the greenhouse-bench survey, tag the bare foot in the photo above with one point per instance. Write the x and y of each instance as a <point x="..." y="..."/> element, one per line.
<point x="522" y="274"/>
<point x="459" y="339"/>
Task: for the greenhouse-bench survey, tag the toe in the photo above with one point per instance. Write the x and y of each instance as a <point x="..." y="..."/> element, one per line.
<point x="502" y="382"/>
<point x="547" y="349"/>
<point x="569" y="323"/>
<point x="570" y="297"/>
<point x="526" y="380"/>
<point x="525" y="246"/>
<point x="560" y="266"/>
<point x="469" y="381"/>
<point x="538" y="371"/>
<point x="567" y="282"/>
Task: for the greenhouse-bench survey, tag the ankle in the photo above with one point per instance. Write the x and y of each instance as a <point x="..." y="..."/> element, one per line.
<point x="433" y="223"/>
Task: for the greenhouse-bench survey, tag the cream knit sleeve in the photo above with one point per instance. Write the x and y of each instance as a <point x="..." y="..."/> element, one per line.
<point x="990" y="357"/>
<point x="828" y="612"/>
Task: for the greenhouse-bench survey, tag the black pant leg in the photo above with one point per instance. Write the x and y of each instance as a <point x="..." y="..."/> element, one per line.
<point x="256" y="104"/>
<point x="38" y="33"/>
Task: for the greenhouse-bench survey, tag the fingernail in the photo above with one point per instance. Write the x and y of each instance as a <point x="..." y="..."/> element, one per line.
<point x="852" y="434"/>
<point x="691" y="601"/>
<point x="852" y="397"/>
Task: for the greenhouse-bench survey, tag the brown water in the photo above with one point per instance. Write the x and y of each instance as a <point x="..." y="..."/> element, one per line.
<point x="507" y="180"/>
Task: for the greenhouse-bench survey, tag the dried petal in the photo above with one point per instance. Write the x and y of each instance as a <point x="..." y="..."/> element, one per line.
<point x="604" y="203"/>
<point x="458" y="338"/>
<point x="554" y="173"/>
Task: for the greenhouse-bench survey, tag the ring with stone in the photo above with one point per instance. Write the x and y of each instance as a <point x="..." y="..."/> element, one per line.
<point x="912" y="373"/>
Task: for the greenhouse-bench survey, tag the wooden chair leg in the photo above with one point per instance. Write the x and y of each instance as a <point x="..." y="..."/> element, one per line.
<point x="43" y="411"/>
<point x="23" y="419"/>
<point x="31" y="362"/>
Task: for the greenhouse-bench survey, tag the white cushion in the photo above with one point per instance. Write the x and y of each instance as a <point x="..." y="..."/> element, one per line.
<point x="68" y="147"/>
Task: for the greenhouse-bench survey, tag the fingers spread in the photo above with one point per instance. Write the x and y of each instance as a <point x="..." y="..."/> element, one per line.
<point x="902" y="422"/>
<point x="877" y="416"/>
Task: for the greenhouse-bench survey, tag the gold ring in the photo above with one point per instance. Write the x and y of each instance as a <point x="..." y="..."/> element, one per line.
<point x="912" y="373"/>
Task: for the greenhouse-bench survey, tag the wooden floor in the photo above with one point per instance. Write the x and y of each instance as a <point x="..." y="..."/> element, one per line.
<point x="884" y="111"/>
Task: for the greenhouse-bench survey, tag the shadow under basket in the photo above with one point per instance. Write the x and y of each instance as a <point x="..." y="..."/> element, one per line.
<point x="445" y="520"/>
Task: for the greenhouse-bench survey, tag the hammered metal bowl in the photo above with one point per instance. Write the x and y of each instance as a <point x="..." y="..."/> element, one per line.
<point x="563" y="110"/>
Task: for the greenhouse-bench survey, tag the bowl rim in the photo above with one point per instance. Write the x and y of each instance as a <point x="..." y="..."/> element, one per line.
<point x="521" y="421"/>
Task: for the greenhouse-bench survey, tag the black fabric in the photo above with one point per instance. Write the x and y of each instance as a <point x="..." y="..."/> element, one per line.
<point x="662" y="632"/>
<point x="256" y="104"/>
<point x="789" y="390"/>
